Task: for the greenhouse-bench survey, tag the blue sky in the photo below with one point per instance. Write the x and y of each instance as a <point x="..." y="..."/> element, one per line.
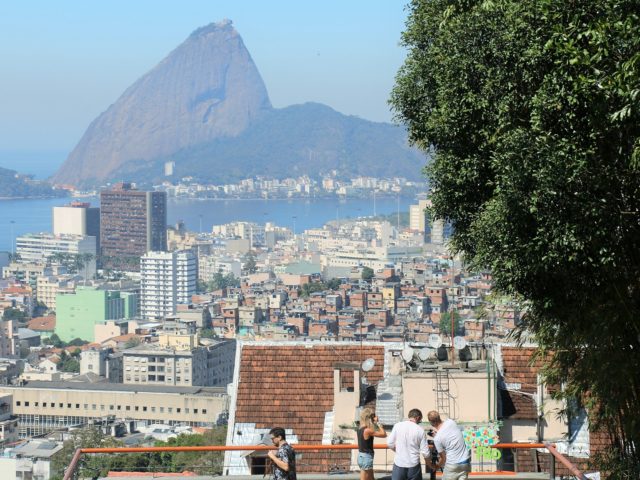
<point x="65" y="62"/>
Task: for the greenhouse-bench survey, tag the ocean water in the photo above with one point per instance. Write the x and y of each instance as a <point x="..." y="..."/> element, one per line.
<point x="18" y="217"/>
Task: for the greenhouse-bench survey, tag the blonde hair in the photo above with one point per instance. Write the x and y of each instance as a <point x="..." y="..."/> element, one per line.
<point x="366" y="418"/>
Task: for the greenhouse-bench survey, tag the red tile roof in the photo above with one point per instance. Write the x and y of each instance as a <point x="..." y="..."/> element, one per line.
<point x="518" y="369"/>
<point x="291" y="386"/>
<point x="43" y="324"/>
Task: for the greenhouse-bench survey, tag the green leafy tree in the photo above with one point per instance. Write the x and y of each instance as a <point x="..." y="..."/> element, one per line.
<point x="13" y="314"/>
<point x="207" y="333"/>
<point x="445" y="324"/>
<point x="367" y="274"/>
<point x="220" y="281"/>
<point x="250" y="265"/>
<point x="334" y="284"/>
<point x="91" y="466"/>
<point x="312" y="287"/>
<point x="530" y="109"/>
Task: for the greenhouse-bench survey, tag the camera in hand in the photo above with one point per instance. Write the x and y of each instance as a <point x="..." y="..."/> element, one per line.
<point x="434" y="457"/>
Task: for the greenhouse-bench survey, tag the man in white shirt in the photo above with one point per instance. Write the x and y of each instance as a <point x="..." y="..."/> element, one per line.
<point x="453" y="453"/>
<point x="408" y="441"/>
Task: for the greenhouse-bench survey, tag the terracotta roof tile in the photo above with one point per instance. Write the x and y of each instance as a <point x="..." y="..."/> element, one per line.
<point x="292" y="386"/>
<point x="519" y="369"/>
<point x="43" y="324"/>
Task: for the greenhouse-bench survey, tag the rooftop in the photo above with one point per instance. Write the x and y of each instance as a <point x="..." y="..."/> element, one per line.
<point x="120" y="387"/>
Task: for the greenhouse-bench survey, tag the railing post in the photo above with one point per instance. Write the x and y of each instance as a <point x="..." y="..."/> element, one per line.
<point x="552" y="468"/>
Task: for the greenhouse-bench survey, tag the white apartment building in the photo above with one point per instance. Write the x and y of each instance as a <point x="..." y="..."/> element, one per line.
<point x="372" y="257"/>
<point x="209" y="265"/>
<point x="77" y="218"/>
<point x="253" y="232"/>
<point x="39" y="247"/>
<point x="418" y="218"/>
<point x="167" y="279"/>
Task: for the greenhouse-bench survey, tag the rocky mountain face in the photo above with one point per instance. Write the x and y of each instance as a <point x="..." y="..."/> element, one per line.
<point x="206" y="88"/>
<point x="206" y="108"/>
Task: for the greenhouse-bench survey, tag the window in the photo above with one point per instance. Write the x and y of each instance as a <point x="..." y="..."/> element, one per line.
<point x="61" y="405"/>
<point x="195" y="410"/>
<point x="161" y="409"/>
<point x="170" y="409"/>
<point x="110" y="407"/>
<point x="177" y="410"/>
<point x="186" y="410"/>
<point x="101" y="407"/>
<point x="118" y="407"/>
<point x="204" y="411"/>
<point x="93" y="406"/>
<point x="86" y="406"/>
<point x="77" y="405"/>
<point x="36" y="404"/>
<point x="144" y="409"/>
<point x="18" y="403"/>
<point x="68" y="405"/>
<point x="137" y="408"/>
<point x="153" y="409"/>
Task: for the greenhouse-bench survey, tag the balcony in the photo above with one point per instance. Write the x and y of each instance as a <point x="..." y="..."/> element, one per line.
<point x="315" y="462"/>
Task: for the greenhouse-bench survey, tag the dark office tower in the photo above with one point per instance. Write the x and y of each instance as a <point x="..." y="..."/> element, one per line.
<point x="132" y="223"/>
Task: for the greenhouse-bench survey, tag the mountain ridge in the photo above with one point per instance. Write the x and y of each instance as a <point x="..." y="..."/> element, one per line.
<point x="206" y="108"/>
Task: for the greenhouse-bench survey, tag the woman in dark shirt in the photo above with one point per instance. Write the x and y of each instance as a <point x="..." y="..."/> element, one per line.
<point x="368" y="429"/>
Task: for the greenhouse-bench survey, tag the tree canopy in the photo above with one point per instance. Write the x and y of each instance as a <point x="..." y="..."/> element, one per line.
<point x="93" y="466"/>
<point x="531" y="111"/>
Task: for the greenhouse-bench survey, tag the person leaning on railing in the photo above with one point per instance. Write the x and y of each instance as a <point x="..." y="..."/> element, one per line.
<point x="369" y="429"/>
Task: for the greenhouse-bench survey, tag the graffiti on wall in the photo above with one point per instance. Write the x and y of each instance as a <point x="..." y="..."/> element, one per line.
<point x="479" y="438"/>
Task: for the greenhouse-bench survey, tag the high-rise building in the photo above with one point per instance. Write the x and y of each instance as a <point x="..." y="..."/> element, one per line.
<point x="77" y="218"/>
<point x="132" y="223"/>
<point x="168" y="279"/>
<point x="419" y="218"/>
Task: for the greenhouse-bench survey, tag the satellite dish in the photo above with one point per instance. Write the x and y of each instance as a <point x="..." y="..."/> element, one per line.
<point x="424" y="354"/>
<point x="407" y="354"/>
<point x="368" y="364"/>
<point x="459" y="343"/>
<point x="435" y="341"/>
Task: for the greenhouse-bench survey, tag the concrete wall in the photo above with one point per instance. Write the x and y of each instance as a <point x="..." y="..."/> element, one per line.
<point x="468" y="397"/>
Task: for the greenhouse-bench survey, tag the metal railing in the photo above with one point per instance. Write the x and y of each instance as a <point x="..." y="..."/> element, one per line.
<point x="555" y="455"/>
